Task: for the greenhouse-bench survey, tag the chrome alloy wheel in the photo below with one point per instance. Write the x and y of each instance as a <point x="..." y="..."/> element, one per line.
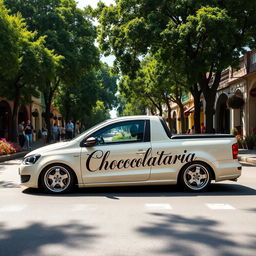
<point x="196" y="177"/>
<point x="57" y="179"/>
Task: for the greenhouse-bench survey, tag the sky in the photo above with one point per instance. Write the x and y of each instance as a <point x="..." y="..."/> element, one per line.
<point x="109" y="60"/>
<point x="93" y="3"/>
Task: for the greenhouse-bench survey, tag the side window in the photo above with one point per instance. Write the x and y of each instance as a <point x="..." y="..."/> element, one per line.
<point x="123" y="132"/>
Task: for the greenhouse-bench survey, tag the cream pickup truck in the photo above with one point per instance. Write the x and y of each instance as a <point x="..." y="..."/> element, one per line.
<point x="132" y="150"/>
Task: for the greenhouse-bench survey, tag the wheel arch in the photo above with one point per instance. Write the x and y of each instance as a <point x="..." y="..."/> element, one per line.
<point x="56" y="163"/>
<point x="211" y="170"/>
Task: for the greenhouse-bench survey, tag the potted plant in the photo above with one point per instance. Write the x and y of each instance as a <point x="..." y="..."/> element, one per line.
<point x="249" y="141"/>
<point x="241" y="142"/>
<point x="235" y="102"/>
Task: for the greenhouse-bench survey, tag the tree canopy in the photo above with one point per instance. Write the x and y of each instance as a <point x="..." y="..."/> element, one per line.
<point x="84" y="100"/>
<point x="69" y="32"/>
<point x="198" y="38"/>
<point x="25" y="61"/>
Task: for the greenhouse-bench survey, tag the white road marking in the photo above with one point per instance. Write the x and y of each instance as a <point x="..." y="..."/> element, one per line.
<point x="12" y="208"/>
<point x="158" y="206"/>
<point x="220" y="207"/>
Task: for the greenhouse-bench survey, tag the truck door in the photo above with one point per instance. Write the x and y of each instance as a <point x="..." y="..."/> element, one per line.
<point x="118" y="154"/>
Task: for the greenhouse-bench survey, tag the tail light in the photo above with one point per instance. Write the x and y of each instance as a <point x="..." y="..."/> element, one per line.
<point x="235" y="151"/>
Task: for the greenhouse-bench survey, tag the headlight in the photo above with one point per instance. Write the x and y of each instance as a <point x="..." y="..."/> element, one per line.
<point x="29" y="160"/>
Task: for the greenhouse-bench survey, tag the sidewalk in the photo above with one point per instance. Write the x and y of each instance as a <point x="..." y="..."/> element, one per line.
<point x="36" y="144"/>
<point x="248" y="156"/>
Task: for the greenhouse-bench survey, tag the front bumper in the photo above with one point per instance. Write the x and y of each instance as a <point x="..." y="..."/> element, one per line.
<point x="29" y="175"/>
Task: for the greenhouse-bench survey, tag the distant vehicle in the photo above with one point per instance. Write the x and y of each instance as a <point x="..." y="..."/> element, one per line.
<point x="132" y="150"/>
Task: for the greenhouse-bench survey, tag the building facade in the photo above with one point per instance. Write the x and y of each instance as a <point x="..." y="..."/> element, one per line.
<point x="235" y="83"/>
<point x="239" y="83"/>
<point x="33" y="112"/>
<point x="6" y="110"/>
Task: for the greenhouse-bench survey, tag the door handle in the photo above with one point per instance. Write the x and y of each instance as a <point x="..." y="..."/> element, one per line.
<point x="141" y="152"/>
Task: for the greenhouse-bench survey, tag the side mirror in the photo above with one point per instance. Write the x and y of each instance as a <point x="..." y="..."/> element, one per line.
<point x="91" y="141"/>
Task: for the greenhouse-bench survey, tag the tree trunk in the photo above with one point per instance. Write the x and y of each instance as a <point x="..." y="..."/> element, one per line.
<point x="197" y="105"/>
<point x="48" y="120"/>
<point x="169" y="117"/>
<point x="182" y="119"/>
<point x="48" y="101"/>
<point x="67" y="112"/>
<point x="14" y="132"/>
<point x="209" y="111"/>
<point x="209" y="93"/>
<point x="160" y="109"/>
<point x="157" y="106"/>
<point x="48" y="96"/>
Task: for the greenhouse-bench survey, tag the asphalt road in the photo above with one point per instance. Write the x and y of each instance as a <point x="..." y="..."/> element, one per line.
<point x="128" y="221"/>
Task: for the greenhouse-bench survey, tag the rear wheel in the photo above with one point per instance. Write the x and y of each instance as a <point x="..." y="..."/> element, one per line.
<point x="195" y="176"/>
<point x="57" y="178"/>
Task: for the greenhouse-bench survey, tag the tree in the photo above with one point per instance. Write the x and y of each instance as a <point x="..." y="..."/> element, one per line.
<point x="69" y="32"/>
<point x="155" y="85"/>
<point x="98" y="114"/>
<point x="130" y="107"/>
<point x="25" y="65"/>
<point x="200" y="37"/>
<point x="108" y="86"/>
<point x="78" y="102"/>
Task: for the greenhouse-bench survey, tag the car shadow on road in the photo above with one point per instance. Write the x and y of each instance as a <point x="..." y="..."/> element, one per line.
<point x="182" y="235"/>
<point x="216" y="189"/>
<point x="31" y="239"/>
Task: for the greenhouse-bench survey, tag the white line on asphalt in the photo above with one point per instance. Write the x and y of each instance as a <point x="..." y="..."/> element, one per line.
<point x="12" y="208"/>
<point x="220" y="207"/>
<point x="158" y="206"/>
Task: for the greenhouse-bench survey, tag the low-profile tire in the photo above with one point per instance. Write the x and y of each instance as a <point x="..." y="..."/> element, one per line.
<point x="57" y="178"/>
<point x="195" y="177"/>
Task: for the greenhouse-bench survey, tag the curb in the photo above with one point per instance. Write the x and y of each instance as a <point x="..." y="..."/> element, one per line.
<point x="12" y="156"/>
<point x="251" y="160"/>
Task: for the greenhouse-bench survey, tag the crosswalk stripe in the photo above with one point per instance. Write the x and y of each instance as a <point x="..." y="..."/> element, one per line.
<point x="220" y="206"/>
<point x="154" y="206"/>
<point x="12" y="208"/>
<point x="151" y="206"/>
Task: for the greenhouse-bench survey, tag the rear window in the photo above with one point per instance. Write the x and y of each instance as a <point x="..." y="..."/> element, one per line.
<point x="167" y="130"/>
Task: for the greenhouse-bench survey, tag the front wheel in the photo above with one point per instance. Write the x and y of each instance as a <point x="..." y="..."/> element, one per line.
<point x="57" y="178"/>
<point x="195" y="177"/>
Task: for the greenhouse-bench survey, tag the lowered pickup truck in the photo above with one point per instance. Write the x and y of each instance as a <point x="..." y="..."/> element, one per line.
<point x="133" y="150"/>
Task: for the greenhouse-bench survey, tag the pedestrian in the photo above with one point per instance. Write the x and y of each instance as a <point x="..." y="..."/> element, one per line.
<point x="69" y="129"/>
<point x="62" y="133"/>
<point x="55" y="132"/>
<point x="21" y="134"/>
<point x="77" y="128"/>
<point x="44" y="134"/>
<point x="202" y="128"/>
<point x="28" y="133"/>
